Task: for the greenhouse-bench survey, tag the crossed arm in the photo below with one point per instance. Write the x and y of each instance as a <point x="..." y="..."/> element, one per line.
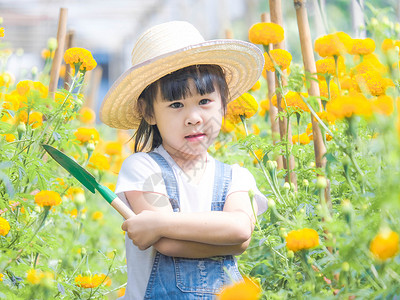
<point x="191" y="235"/>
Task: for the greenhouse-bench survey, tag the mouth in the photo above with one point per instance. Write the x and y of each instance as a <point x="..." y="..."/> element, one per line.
<point x="195" y="136"/>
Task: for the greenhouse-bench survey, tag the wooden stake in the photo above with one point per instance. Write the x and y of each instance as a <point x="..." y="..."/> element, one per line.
<point x="69" y="42"/>
<point x="309" y="66"/>
<point x="273" y="111"/>
<point x="58" y="55"/>
<point x="275" y="7"/>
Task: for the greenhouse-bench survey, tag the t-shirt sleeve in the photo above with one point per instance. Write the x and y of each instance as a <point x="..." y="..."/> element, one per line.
<point x="139" y="172"/>
<point x="243" y="181"/>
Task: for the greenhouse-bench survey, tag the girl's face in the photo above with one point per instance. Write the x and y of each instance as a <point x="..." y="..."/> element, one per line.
<point x="188" y="126"/>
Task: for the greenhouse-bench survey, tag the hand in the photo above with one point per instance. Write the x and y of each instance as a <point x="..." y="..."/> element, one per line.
<point x="144" y="229"/>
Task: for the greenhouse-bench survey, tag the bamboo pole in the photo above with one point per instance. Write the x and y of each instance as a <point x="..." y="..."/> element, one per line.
<point x="309" y="66"/>
<point x="275" y="7"/>
<point x="273" y="111"/>
<point x="58" y="55"/>
<point x="69" y="42"/>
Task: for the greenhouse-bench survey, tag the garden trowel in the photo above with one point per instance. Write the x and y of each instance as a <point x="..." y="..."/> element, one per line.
<point x="88" y="180"/>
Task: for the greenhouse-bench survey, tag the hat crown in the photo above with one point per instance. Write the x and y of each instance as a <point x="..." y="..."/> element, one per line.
<point x="165" y="38"/>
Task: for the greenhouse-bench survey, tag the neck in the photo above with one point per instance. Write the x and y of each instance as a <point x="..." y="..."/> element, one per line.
<point x="187" y="161"/>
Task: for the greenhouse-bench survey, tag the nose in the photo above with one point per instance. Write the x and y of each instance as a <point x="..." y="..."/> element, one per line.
<point x="193" y="118"/>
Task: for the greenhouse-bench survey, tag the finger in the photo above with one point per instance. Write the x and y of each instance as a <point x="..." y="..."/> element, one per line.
<point x="124" y="226"/>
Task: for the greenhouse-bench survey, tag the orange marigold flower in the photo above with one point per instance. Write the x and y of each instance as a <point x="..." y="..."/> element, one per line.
<point x="281" y="57"/>
<point x="256" y="86"/>
<point x="91" y="281"/>
<point x="333" y="44"/>
<point x="245" y="106"/>
<point x="121" y="292"/>
<point x="247" y="289"/>
<point x="47" y="198"/>
<point x="99" y="161"/>
<point x="227" y="125"/>
<point x="326" y="117"/>
<point x="9" y="137"/>
<point x="28" y="88"/>
<point x="1" y="31"/>
<point x="385" y="244"/>
<point x="362" y="46"/>
<point x="333" y="88"/>
<point x="4" y="227"/>
<point x="80" y="58"/>
<point x="327" y="66"/>
<point x="348" y="105"/>
<point x="304" y="139"/>
<point x="113" y="148"/>
<point x="264" y="104"/>
<point x="347" y="83"/>
<point x="383" y="104"/>
<point x="85" y="135"/>
<point x="35" y="118"/>
<point x="305" y="238"/>
<point x="87" y="115"/>
<point x="6" y="79"/>
<point x="370" y="63"/>
<point x="372" y="82"/>
<point x="47" y="54"/>
<point x="266" y="33"/>
<point x="293" y="100"/>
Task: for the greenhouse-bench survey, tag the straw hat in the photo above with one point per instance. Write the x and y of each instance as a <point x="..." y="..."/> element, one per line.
<point x="171" y="46"/>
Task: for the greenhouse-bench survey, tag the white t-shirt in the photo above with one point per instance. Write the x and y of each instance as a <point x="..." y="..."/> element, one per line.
<point x="139" y="172"/>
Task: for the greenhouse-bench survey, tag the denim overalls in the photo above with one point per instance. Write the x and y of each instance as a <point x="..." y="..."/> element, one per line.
<point x="188" y="278"/>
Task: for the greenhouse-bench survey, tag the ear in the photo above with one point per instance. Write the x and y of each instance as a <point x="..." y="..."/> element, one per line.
<point x="145" y="112"/>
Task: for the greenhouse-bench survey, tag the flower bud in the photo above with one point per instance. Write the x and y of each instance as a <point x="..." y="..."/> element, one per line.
<point x="374" y="22"/>
<point x="271" y="203"/>
<point x="52" y="44"/>
<point x="251" y="194"/>
<point x="90" y="146"/>
<point x="80" y="199"/>
<point x="345" y="266"/>
<point x="271" y="165"/>
<point x="397" y="27"/>
<point x="305" y="182"/>
<point x="290" y="254"/>
<point x="299" y="276"/>
<point x="321" y="182"/>
<point x="21" y="129"/>
<point x="286" y="186"/>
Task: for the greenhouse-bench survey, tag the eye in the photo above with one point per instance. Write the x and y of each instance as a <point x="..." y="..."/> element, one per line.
<point x="204" y="101"/>
<point x="176" y="105"/>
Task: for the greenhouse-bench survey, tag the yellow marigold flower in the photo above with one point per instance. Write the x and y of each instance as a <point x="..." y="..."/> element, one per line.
<point x="372" y="82"/>
<point x="9" y="137"/>
<point x="327" y="66"/>
<point x="281" y="57"/>
<point x="73" y="213"/>
<point x="245" y="106"/>
<point x="121" y="292"/>
<point x="264" y="104"/>
<point x="80" y="58"/>
<point x="370" y="63"/>
<point x="61" y="96"/>
<point x="110" y="185"/>
<point x="348" y="105"/>
<point x="85" y="135"/>
<point x="293" y="100"/>
<point x="4" y="227"/>
<point x="1" y="31"/>
<point x="1" y="277"/>
<point x="256" y="129"/>
<point x="266" y="33"/>
<point x="346" y="83"/>
<point x="309" y="129"/>
<point x="87" y="115"/>
<point x="362" y="46"/>
<point x="35" y="118"/>
<point x="99" y="161"/>
<point x="92" y="281"/>
<point x="12" y="101"/>
<point x="6" y="79"/>
<point x="113" y="148"/>
<point x="38" y="277"/>
<point x="256" y="86"/>
<point x="383" y="104"/>
<point x="326" y="117"/>
<point x="385" y="244"/>
<point x="97" y="215"/>
<point x="47" y="198"/>
<point x="304" y="139"/>
<point x="333" y="44"/>
<point x="323" y="89"/>
<point x="27" y="88"/>
<point x="242" y="290"/>
<point x="47" y="54"/>
<point x="389" y="44"/>
<point x="305" y="238"/>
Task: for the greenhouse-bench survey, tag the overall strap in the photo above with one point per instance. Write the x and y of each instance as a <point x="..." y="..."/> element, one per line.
<point x="222" y="181"/>
<point x="169" y="180"/>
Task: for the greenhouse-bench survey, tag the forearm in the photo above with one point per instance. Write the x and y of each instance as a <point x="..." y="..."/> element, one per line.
<point x="188" y="249"/>
<point x="215" y="228"/>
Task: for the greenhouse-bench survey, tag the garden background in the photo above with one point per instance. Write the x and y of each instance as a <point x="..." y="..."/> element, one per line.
<point x="319" y="131"/>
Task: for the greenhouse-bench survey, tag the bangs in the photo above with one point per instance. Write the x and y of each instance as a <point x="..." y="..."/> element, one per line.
<point x="175" y="86"/>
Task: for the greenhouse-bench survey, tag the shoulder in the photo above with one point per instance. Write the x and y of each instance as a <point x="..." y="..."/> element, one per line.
<point x="138" y="160"/>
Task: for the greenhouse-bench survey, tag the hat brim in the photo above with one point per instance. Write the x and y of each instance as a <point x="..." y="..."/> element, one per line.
<point x="242" y="63"/>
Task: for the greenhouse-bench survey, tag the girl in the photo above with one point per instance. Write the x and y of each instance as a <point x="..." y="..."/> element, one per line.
<point x="193" y="212"/>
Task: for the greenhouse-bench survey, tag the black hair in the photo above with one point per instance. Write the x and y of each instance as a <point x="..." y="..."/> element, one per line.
<point x="175" y="86"/>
